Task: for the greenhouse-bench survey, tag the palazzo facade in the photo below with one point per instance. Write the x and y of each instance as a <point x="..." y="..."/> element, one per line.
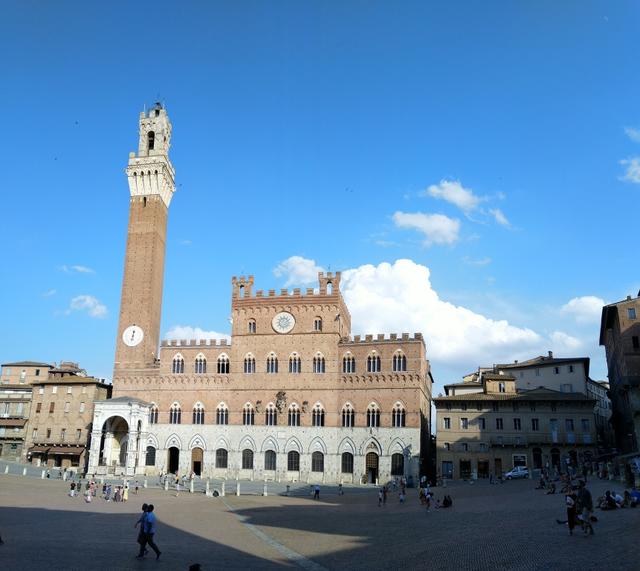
<point x="292" y="396"/>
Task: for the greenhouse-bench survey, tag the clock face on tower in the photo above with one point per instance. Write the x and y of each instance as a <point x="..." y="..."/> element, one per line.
<point x="283" y="322"/>
<point x="132" y="335"/>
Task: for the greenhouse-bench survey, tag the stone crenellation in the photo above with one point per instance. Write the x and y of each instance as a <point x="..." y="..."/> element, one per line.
<point x="195" y="343"/>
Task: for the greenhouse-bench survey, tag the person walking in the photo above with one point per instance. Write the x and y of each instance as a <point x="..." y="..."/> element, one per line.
<point x="137" y="486"/>
<point x="140" y="523"/>
<point x="125" y="492"/>
<point x="149" y="533"/>
<point x="586" y="507"/>
<point x="316" y="492"/>
<point x="572" y="509"/>
<point x="385" y="491"/>
<point x="380" y="498"/>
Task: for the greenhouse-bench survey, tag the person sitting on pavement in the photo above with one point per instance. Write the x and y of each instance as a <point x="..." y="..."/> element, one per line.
<point x="552" y="489"/>
<point x="447" y="502"/>
<point x="634" y="497"/>
<point x="607" y="502"/>
<point x="541" y="484"/>
<point x="618" y="499"/>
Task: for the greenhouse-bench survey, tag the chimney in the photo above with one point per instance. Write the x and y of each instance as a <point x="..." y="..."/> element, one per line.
<point x="550" y="354"/>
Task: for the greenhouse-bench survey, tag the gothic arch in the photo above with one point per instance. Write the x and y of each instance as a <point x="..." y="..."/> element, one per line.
<point x="397" y="445"/>
<point x="222" y="443"/>
<point x="293" y="444"/>
<point x="317" y="445"/>
<point x="269" y="443"/>
<point x="173" y="441"/>
<point x="347" y="445"/>
<point x="197" y="442"/>
<point x="247" y="442"/>
<point x="371" y="445"/>
<point x="153" y="441"/>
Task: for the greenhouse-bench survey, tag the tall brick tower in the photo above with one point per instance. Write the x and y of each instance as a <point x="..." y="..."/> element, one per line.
<point x="151" y="185"/>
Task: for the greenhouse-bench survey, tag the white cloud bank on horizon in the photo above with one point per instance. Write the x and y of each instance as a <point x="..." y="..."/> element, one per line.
<point x="188" y="332"/>
<point x="585" y="309"/>
<point x="298" y="271"/>
<point x="436" y="228"/>
<point x="88" y="303"/>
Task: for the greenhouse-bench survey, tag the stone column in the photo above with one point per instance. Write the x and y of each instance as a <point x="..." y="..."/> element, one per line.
<point x="94" y="451"/>
<point x="132" y="451"/>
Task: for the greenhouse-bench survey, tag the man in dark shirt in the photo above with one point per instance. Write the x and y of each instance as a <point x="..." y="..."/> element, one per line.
<point x="586" y="507"/>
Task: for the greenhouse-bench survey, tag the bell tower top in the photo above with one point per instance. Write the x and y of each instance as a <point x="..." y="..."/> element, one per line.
<point x="150" y="171"/>
<point x="155" y="132"/>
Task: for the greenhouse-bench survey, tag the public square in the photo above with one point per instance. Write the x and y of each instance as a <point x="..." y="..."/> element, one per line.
<point x="510" y="526"/>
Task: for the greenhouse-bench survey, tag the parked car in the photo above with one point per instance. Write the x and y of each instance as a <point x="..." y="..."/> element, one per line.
<point x="517" y="472"/>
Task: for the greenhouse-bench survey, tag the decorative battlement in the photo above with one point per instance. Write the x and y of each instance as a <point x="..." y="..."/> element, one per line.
<point x="195" y="343"/>
<point x="242" y="288"/>
<point x="382" y="338"/>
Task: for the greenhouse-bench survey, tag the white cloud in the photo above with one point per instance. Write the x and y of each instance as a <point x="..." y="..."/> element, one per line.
<point x="49" y="293"/>
<point x="185" y="242"/>
<point x="632" y="173"/>
<point x="297" y="271"/>
<point x="452" y="191"/>
<point x="499" y="217"/>
<point x="88" y="303"/>
<point x="563" y="343"/>
<point x="585" y="309"/>
<point x="437" y="228"/>
<point x="76" y="269"/>
<point x="633" y="134"/>
<point x="399" y="298"/>
<point x="476" y="262"/>
<point x="189" y="332"/>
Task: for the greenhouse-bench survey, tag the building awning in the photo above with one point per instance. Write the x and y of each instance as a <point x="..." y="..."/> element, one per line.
<point x="13" y="422"/>
<point x="71" y="450"/>
<point x="39" y="449"/>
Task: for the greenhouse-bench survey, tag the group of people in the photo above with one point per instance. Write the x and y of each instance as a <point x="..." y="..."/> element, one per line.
<point x="579" y="505"/>
<point x="612" y="500"/>
<point x="428" y="499"/>
<point x="146" y="532"/>
<point x="119" y="493"/>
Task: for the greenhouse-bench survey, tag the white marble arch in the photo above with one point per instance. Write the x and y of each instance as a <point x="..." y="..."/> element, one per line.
<point x="371" y="444"/>
<point x="293" y="444"/>
<point x="247" y="442"/>
<point x="317" y="445"/>
<point x="152" y="441"/>
<point x="197" y="441"/>
<point x="347" y="445"/>
<point x="222" y="443"/>
<point x="173" y="441"/>
<point x="270" y="443"/>
<point x="397" y="446"/>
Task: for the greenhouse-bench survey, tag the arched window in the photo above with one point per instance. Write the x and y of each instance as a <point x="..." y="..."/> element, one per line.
<point x="271" y="415"/>
<point x="198" y="413"/>
<point x="222" y="457"/>
<point x="348" y="363"/>
<point x="151" y="140"/>
<point x="175" y="414"/>
<point x="150" y="457"/>
<point x="317" y="415"/>
<point x="348" y="416"/>
<point x="295" y="364"/>
<point x="200" y="364"/>
<point x="269" y="460"/>
<point x="317" y="324"/>
<point x="347" y="463"/>
<point x="223" y="365"/>
<point x="318" y="363"/>
<point x="248" y="415"/>
<point x="373" y="416"/>
<point x="398" y="416"/>
<point x="178" y="365"/>
<point x="247" y="459"/>
<point x="317" y="462"/>
<point x="272" y="364"/>
<point x="222" y="414"/>
<point x="293" y="461"/>
<point x="251" y="326"/>
<point x="399" y="362"/>
<point x="249" y="364"/>
<point x="153" y="414"/>
<point x="294" y="415"/>
<point x="373" y="363"/>
<point x="397" y="465"/>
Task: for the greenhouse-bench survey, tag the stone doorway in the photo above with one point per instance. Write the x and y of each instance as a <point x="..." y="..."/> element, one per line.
<point x="196" y="461"/>
<point x="173" y="460"/>
<point x="372" y="460"/>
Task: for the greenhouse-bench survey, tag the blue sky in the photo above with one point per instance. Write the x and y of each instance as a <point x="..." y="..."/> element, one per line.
<point x="494" y="143"/>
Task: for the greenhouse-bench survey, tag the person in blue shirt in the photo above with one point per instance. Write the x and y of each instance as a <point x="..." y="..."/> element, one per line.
<point x="149" y="527"/>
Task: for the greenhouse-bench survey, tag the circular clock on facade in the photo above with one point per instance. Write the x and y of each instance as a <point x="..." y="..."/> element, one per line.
<point x="283" y="322"/>
<point x="132" y="335"/>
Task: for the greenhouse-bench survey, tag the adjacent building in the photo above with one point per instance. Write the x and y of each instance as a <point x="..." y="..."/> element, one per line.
<point x="292" y="395"/>
<point x="599" y="391"/>
<point x="15" y="405"/>
<point x="620" y="336"/>
<point x="486" y="425"/>
<point x="59" y="429"/>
